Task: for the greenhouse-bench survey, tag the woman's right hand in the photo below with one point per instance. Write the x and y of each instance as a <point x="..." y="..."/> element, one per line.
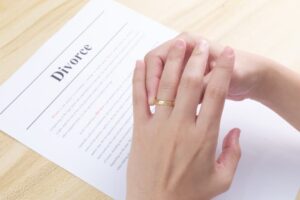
<point x="247" y="75"/>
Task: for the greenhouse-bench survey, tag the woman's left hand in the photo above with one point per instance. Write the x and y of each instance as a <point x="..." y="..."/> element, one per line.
<point x="173" y="150"/>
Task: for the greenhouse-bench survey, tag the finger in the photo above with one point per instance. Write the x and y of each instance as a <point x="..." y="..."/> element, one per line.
<point x="213" y="102"/>
<point x="215" y="49"/>
<point x="156" y="58"/>
<point x="140" y="106"/>
<point x="154" y="61"/>
<point x="229" y="158"/>
<point x="171" y="75"/>
<point x="205" y="83"/>
<point x="191" y="83"/>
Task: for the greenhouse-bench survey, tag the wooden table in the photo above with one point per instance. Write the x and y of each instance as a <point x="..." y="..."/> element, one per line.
<point x="267" y="27"/>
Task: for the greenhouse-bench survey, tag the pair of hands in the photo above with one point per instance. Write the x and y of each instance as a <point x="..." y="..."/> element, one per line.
<point x="246" y="78"/>
<point x="173" y="150"/>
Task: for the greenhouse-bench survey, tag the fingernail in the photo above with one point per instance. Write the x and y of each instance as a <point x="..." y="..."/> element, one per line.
<point x="203" y="46"/>
<point x="180" y="44"/>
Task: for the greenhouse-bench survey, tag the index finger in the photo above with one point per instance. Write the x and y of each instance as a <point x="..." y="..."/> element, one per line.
<point x="214" y="98"/>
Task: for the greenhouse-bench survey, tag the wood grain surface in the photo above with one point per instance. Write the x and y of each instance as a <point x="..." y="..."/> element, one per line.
<point x="267" y="27"/>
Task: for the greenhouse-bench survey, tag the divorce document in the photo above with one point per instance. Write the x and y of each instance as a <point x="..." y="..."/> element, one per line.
<point x="71" y="103"/>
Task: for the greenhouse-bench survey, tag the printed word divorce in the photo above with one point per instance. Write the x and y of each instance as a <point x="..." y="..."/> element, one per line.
<point x="73" y="62"/>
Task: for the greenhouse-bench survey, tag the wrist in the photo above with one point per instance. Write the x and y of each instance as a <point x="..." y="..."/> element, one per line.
<point x="267" y="76"/>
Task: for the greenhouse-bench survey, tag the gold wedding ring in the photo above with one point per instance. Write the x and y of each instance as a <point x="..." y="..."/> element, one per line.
<point x="159" y="102"/>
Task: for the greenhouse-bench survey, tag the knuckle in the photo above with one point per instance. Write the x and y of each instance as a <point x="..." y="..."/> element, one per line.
<point x="216" y="92"/>
<point x="152" y="79"/>
<point x="191" y="81"/>
<point x="150" y="55"/>
<point x="175" y="55"/>
<point x="154" y="59"/>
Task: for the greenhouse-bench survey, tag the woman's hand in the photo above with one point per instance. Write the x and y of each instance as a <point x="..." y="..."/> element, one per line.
<point x="173" y="150"/>
<point x="246" y="77"/>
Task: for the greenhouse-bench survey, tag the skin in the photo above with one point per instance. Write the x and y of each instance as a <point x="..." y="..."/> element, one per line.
<point x="280" y="91"/>
<point x="173" y="154"/>
<point x="254" y="77"/>
<point x="173" y="150"/>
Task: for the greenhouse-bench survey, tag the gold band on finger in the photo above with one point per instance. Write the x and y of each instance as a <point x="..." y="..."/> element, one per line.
<point x="159" y="102"/>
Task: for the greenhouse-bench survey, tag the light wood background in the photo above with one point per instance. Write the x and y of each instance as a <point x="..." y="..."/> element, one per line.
<point x="267" y="27"/>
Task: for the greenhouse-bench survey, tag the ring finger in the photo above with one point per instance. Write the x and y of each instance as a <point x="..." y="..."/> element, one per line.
<point x="171" y="75"/>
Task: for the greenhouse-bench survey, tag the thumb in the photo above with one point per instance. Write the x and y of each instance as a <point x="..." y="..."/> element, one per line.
<point x="231" y="153"/>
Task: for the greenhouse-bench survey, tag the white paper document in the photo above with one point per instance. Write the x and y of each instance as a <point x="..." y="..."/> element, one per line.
<point x="71" y="103"/>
